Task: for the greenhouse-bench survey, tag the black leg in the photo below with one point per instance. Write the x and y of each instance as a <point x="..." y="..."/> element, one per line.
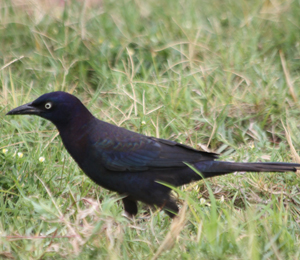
<point x="171" y="208"/>
<point x="130" y="206"/>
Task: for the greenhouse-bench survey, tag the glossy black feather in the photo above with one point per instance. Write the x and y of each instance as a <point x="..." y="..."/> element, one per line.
<point x="127" y="162"/>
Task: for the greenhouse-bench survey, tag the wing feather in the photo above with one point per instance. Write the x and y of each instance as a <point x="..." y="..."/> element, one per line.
<point x="121" y="150"/>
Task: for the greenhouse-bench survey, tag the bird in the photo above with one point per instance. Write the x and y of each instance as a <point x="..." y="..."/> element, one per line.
<point x="136" y="166"/>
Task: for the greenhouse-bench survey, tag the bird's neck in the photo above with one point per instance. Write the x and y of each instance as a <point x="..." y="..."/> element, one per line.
<point x="79" y="117"/>
<point x="75" y="133"/>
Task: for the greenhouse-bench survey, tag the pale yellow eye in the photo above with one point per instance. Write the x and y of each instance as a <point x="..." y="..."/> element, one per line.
<point x="48" y="105"/>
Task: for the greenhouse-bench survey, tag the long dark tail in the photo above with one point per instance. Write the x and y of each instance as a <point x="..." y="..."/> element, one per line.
<point x="215" y="168"/>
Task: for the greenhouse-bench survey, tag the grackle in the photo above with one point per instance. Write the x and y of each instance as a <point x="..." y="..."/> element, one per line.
<point x="132" y="164"/>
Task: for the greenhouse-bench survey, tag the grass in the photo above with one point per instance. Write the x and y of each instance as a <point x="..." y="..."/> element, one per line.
<point x="217" y="75"/>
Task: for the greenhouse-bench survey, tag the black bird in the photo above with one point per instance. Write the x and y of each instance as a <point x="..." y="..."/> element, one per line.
<point x="129" y="163"/>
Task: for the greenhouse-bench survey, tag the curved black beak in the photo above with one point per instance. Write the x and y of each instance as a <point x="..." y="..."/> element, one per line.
<point x="27" y="109"/>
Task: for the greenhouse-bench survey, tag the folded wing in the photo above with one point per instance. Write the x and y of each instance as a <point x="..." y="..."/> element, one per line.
<point x="122" y="150"/>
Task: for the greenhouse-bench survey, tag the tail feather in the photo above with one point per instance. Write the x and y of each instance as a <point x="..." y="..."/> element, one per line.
<point x="215" y="168"/>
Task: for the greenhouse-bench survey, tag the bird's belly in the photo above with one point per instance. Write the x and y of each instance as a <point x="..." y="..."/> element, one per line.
<point x="121" y="182"/>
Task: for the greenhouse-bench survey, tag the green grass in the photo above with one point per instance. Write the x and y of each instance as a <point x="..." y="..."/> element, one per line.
<point x="218" y="75"/>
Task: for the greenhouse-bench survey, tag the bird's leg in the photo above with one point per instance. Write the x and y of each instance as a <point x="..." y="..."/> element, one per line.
<point x="170" y="207"/>
<point x="130" y="206"/>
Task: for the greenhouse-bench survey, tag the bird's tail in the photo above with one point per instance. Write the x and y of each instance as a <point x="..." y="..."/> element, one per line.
<point x="215" y="168"/>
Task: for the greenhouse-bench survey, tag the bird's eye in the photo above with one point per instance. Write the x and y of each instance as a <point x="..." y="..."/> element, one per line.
<point x="48" y="105"/>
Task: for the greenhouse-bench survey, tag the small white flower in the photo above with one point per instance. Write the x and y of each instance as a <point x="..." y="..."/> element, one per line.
<point x="202" y="201"/>
<point x="222" y="199"/>
<point x="4" y="151"/>
<point x="20" y="155"/>
<point x="143" y="122"/>
<point x="188" y="24"/>
<point x="153" y="39"/>
<point x="42" y="159"/>
<point x="130" y="51"/>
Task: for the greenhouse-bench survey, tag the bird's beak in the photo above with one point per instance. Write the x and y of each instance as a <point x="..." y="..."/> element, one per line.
<point x="27" y="109"/>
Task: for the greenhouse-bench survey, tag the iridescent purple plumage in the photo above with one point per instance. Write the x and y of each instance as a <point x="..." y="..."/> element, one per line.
<point x="127" y="162"/>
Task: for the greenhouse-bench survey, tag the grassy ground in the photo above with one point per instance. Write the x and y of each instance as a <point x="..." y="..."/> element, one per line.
<point x="218" y="75"/>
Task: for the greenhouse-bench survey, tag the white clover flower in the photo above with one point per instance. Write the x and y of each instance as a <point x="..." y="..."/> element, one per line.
<point x="188" y="24"/>
<point x="4" y="151"/>
<point x="222" y="199"/>
<point x="42" y="159"/>
<point x="202" y="201"/>
<point x="20" y="155"/>
<point x="130" y="51"/>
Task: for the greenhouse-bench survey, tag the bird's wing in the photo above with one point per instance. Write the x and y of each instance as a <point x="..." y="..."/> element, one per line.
<point x="131" y="151"/>
<point x="130" y="155"/>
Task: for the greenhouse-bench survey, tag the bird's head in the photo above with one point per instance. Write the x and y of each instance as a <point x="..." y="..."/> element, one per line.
<point x="58" y="107"/>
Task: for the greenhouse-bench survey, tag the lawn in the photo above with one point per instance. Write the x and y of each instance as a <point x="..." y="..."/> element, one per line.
<point x="218" y="75"/>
